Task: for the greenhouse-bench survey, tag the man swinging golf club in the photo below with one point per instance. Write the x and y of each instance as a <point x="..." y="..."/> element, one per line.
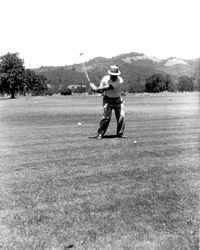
<point x="111" y="85"/>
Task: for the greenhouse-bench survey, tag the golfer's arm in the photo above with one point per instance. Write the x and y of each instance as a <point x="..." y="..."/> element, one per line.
<point x="102" y="89"/>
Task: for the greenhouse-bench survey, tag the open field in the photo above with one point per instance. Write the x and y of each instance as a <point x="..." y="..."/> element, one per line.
<point x="59" y="189"/>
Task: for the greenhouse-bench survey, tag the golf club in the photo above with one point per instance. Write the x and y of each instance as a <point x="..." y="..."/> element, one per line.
<point x="85" y="70"/>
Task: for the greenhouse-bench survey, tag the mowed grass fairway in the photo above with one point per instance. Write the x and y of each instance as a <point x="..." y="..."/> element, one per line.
<point x="60" y="189"/>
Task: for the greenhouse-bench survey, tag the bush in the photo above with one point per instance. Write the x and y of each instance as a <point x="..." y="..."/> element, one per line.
<point x="49" y="92"/>
<point x="66" y="91"/>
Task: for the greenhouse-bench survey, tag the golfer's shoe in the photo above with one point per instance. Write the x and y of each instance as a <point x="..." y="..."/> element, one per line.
<point x="99" y="137"/>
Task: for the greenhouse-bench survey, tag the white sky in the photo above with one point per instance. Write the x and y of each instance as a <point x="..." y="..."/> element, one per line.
<point x="55" y="32"/>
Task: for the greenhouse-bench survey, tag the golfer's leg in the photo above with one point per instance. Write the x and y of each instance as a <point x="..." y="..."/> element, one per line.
<point x="120" y="117"/>
<point x="103" y="125"/>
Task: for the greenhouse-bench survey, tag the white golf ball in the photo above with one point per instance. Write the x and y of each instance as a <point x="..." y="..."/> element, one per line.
<point x="134" y="142"/>
<point x="79" y="124"/>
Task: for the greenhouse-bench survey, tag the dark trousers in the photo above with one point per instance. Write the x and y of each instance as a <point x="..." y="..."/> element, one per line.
<point x="117" y="105"/>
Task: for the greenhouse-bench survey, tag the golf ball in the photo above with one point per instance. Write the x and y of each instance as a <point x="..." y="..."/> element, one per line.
<point x="79" y="124"/>
<point x="134" y="142"/>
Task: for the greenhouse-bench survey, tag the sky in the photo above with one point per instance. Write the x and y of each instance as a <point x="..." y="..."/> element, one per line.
<point x="55" y="32"/>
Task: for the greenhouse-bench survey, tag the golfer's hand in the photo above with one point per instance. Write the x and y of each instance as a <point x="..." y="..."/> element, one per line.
<point x="93" y="86"/>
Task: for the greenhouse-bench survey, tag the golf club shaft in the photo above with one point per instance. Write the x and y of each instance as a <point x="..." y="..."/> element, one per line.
<point x="86" y="73"/>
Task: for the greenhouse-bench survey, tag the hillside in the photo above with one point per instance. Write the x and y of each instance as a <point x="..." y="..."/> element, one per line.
<point x="135" y="68"/>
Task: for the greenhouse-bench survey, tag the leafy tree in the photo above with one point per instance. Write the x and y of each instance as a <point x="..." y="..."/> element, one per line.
<point x="29" y="78"/>
<point x="39" y="87"/>
<point x="11" y="74"/>
<point x="185" y="83"/>
<point x="35" y="83"/>
<point x="157" y="83"/>
<point x="197" y="77"/>
<point x="169" y="83"/>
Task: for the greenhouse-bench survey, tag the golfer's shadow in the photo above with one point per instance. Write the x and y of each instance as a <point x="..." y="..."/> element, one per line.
<point x="107" y="137"/>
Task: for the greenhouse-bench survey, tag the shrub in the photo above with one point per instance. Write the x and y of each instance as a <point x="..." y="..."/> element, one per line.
<point x="66" y="91"/>
<point x="49" y="92"/>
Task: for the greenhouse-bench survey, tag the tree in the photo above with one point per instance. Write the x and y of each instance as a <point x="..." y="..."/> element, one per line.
<point x="29" y="76"/>
<point x="169" y="83"/>
<point x="157" y="83"/>
<point x="39" y="86"/>
<point x="11" y="74"/>
<point x="185" y="83"/>
<point x="197" y="77"/>
<point x="35" y="83"/>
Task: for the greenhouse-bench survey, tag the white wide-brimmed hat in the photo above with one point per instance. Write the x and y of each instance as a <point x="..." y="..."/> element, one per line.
<point x="114" y="70"/>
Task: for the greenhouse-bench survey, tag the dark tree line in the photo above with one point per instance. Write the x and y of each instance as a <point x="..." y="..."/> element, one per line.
<point x="159" y="83"/>
<point x="186" y="83"/>
<point x="15" y="79"/>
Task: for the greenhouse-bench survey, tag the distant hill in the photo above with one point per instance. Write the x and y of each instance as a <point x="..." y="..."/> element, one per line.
<point x="135" y="68"/>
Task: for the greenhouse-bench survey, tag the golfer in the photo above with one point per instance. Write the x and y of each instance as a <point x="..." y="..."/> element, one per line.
<point x="111" y="86"/>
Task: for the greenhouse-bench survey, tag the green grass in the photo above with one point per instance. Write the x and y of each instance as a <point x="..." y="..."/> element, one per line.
<point x="60" y="189"/>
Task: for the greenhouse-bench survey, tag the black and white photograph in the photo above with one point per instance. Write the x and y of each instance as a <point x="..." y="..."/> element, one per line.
<point x="99" y="125"/>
